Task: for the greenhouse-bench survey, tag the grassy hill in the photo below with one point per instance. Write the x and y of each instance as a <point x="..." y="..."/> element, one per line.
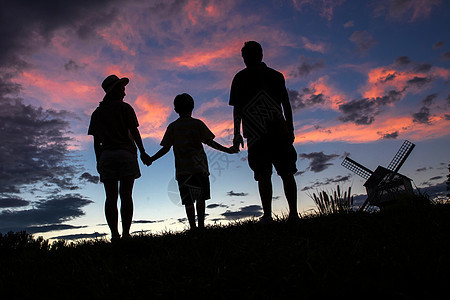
<point x="402" y="253"/>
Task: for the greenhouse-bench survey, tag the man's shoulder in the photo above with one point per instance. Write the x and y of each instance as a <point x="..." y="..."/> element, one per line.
<point x="274" y="72"/>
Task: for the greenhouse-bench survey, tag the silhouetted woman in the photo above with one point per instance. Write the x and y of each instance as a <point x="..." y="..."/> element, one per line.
<point x="114" y="126"/>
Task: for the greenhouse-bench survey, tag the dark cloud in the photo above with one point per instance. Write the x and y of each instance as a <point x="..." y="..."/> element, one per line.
<point x="428" y="100"/>
<point x="423" y="116"/>
<point x="363" y="41"/>
<point x="436" y="190"/>
<point x="418" y="81"/>
<point x="243" y="212"/>
<point x="90" y="178"/>
<point x="363" y="111"/>
<point x="80" y="236"/>
<point x="318" y="184"/>
<point x="239" y="194"/>
<point x="447" y="117"/>
<point x="71" y="65"/>
<point x="406" y="9"/>
<point x="422" y="67"/>
<point x="306" y="98"/>
<point x="214" y="205"/>
<point x="438" y="45"/>
<point x="402" y="61"/>
<point x="13" y="202"/>
<point x="299" y="173"/>
<point x="319" y="160"/>
<point x="146" y="221"/>
<point x="389" y="77"/>
<point x="388" y="136"/>
<point x="422" y="169"/>
<point x="436" y="177"/>
<point x="52" y="211"/>
<point x="445" y="55"/>
<point x="47" y="228"/>
<point x="307" y="67"/>
<point x="358" y="200"/>
<point x="26" y="26"/>
<point x="36" y="150"/>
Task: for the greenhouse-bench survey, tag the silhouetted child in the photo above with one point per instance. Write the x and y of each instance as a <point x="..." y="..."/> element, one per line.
<point x="186" y="135"/>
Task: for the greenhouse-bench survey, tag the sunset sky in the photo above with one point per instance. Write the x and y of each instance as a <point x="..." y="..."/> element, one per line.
<point x="362" y="77"/>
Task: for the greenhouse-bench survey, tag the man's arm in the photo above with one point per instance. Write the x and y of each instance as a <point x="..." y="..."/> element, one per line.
<point x="237" y="140"/>
<point x="97" y="149"/>
<point x="287" y="111"/>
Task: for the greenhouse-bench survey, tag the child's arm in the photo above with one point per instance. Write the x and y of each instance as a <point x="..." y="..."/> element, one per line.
<point x="215" y="145"/>
<point x="163" y="151"/>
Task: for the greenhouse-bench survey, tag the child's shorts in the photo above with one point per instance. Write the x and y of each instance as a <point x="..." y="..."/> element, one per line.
<point x="193" y="187"/>
<point x="118" y="164"/>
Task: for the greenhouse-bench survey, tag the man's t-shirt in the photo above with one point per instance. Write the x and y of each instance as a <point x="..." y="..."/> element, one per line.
<point x="111" y="123"/>
<point x="186" y="135"/>
<point x="257" y="93"/>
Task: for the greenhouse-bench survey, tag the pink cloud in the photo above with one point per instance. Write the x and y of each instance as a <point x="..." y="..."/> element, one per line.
<point x="413" y="9"/>
<point x="352" y="133"/>
<point x="325" y="7"/>
<point x="152" y="115"/>
<point x="315" y="47"/>
<point x="382" y="79"/>
<point x="199" y="58"/>
<point x="68" y="93"/>
<point x="333" y="95"/>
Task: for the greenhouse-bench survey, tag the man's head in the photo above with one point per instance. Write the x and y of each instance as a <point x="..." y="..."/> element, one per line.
<point x="183" y="103"/>
<point x="252" y="53"/>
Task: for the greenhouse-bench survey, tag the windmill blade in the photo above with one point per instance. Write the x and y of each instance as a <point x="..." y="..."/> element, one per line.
<point x="401" y="156"/>
<point x="356" y="168"/>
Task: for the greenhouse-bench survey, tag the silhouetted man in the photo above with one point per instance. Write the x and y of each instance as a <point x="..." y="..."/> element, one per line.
<point x="260" y="100"/>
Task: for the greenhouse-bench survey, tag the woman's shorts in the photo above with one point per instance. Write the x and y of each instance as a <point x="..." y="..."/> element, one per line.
<point x="118" y="164"/>
<point x="193" y="187"/>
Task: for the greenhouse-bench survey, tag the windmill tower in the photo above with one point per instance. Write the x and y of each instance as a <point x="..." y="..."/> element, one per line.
<point x="384" y="185"/>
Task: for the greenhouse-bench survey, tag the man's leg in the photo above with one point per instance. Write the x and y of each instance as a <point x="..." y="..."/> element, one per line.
<point x="111" y="213"/>
<point x="201" y="213"/>
<point x="290" y="191"/>
<point x="265" y="192"/>
<point x="126" y="206"/>
<point x="190" y="212"/>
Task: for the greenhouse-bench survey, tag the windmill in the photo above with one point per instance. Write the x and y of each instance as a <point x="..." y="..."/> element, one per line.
<point x="384" y="185"/>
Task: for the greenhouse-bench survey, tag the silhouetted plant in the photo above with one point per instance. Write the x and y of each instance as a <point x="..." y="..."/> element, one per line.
<point x="334" y="202"/>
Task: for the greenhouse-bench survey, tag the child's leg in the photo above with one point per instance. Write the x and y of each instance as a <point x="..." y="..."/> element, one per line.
<point x="190" y="212"/>
<point x="201" y="213"/>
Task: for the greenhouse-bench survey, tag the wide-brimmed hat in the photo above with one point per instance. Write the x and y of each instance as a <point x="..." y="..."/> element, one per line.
<point x="111" y="81"/>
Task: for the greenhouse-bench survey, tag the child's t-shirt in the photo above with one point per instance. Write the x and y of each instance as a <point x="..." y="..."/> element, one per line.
<point x="186" y="135"/>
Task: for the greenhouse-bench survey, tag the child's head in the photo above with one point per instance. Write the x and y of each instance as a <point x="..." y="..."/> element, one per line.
<point x="183" y="103"/>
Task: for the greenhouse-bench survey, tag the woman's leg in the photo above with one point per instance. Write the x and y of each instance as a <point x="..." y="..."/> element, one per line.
<point x="126" y="206"/>
<point x="111" y="213"/>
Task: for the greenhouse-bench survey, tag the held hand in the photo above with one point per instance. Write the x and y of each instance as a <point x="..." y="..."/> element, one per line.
<point x="238" y="140"/>
<point x="146" y="159"/>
